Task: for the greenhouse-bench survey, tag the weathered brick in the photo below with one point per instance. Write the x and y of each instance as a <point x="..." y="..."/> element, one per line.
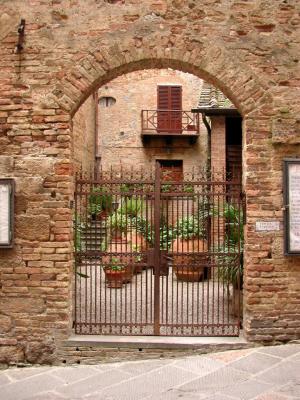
<point x="237" y="47"/>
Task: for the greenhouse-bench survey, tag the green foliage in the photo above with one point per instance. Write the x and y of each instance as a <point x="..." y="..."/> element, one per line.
<point x="115" y="265"/>
<point x="230" y="255"/>
<point x="131" y="207"/>
<point x="128" y="189"/>
<point x="99" y="200"/>
<point x="78" y="230"/>
<point x="191" y="227"/>
<point x="234" y="224"/>
<point x="166" y="236"/>
<point x="118" y="221"/>
<point x="166" y="187"/>
<point x="230" y="266"/>
<point x="188" y="188"/>
<point x="126" y="215"/>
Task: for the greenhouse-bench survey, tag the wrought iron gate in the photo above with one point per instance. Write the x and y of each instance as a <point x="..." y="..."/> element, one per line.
<point x="158" y="257"/>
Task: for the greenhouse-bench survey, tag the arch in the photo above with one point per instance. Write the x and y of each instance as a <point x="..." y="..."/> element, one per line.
<point x="208" y="61"/>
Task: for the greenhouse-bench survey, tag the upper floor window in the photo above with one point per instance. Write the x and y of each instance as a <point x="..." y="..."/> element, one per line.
<point x="107" y="101"/>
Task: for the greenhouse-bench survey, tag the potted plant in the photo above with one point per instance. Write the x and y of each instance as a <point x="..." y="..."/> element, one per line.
<point x="117" y="273"/>
<point x="190" y="249"/>
<point x="139" y="261"/>
<point x="230" y="259"/>
<point x="99" y="203"/>
<point x="117" y="223"/>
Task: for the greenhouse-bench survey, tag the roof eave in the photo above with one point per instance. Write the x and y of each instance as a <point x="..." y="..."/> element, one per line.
<point x="216" y="111"/>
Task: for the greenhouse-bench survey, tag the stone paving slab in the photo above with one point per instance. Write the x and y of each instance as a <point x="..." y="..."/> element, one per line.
<point x="263" y="373"/>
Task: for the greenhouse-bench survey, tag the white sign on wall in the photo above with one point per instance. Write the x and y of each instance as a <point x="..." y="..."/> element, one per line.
<point x="267" y="226"/>
<point x="292" y="206"/>
<point x="6" y="212"/>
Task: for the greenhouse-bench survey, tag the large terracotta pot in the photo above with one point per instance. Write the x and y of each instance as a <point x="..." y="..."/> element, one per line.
<point x="189" y="267"/>
<point x="116" y="279"/>
<point x="135" y="239"/>
<point x="137" y="243"/>
<point x="188" y="273"/>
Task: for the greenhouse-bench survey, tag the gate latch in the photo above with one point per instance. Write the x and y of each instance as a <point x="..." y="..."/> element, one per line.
<point x="163" y="261"/>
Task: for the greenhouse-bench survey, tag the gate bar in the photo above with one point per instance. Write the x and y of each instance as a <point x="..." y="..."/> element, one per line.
<point x="157" y="250"/>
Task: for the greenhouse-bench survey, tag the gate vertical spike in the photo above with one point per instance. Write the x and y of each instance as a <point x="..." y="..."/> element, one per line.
<point x="157" y="189"/>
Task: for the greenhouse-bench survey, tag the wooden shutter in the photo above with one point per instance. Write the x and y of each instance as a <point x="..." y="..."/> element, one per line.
<point x="169" y="98"/>
<point x="175" y="95"/>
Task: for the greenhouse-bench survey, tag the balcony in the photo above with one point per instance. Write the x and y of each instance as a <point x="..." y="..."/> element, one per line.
<point x="170" y="123"/>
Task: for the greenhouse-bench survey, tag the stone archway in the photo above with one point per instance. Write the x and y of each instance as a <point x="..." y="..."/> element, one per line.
<point x="97" y="69"/>
<point x="211" y="63"/>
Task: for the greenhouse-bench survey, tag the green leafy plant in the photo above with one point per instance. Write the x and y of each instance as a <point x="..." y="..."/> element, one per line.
<point x="191" y="227"/>
<point x="118" y="221"/>
<point x="115" y="265"/>
<point x="99" y="200"/>
<point x="166" y="187"/>
<point x="131" y="207"/>
<point x="127" y="189"/>
<point x="136" y="249"/>
<point x="79" y="227"/>
<point x="188" y="188"/>
<point x="230" y="255"/>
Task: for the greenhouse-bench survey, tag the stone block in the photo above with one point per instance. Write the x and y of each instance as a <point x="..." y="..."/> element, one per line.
<point x="5" y="324"/>
<point x="11" y="355"/>
<point x="6" y="165"/>
<point x="33" y="227"/>
<point x="13" y="305"/>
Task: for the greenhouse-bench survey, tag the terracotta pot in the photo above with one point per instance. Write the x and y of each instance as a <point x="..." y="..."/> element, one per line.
<point x="130" y="270"/>
<point x="188" y="273"/>
<point x="184" y="264"/>
<point x="118" y="236"/>
<point x="136" y="239"/>
<point x="138" y="268"/>
<point x="114" y="279"/>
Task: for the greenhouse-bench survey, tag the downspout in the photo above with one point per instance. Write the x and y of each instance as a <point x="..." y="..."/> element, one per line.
<point x="208" y="128"/>
<point x="96" y="146"/>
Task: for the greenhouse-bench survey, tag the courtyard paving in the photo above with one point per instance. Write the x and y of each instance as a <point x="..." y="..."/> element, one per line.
<point x="262" y="373"/>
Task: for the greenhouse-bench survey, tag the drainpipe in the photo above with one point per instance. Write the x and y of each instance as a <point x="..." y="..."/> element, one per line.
<point x="208" y="128"/>
<point x="96" y="145"/>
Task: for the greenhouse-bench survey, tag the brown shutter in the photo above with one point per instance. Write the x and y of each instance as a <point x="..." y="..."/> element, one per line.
<point x="169" y="98"/>
<point x="163" y="98"/>
<point x="175" y="98"/>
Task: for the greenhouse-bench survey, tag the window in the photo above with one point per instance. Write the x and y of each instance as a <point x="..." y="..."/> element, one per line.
<point x="105" y="102"/>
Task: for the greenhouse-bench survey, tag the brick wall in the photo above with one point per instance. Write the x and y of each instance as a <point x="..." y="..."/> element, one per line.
<point x="249" y="49"/>
<point x="84" y="135"/>
<point x="120" y="139"/>
<point x="218" y="144"/>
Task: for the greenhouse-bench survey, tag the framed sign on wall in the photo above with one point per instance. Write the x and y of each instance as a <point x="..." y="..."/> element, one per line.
<point x="7" y="190"/>
<point x="291" y="193"/>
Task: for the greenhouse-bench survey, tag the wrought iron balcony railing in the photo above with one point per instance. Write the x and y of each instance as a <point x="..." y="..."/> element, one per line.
<point x="170" y="122"/>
